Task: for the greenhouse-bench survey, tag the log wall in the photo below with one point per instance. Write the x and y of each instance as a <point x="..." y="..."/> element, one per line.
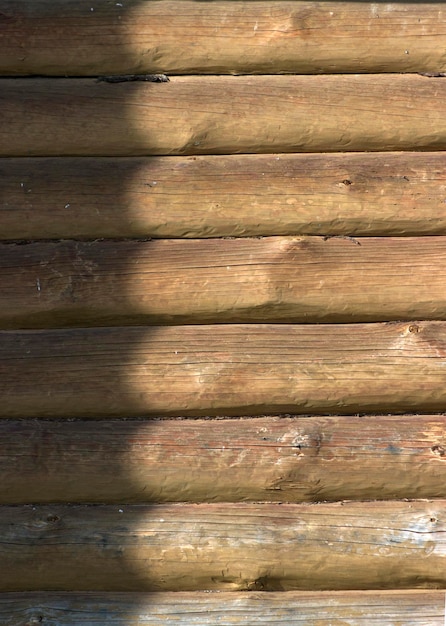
<point x="291" y="280"/>
<point x="220" y="37"/>
<point x="192" y="115"/>
<point x="222" y="312"/>
<point x="277" y="459"/>
<point x="223" y="370"/>
<point x="224" y="547"/>
<point x="359" y="194"/>
<point x="226" y="608"/>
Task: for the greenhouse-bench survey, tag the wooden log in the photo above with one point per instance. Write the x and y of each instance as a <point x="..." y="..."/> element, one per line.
<point x="223" y="370"/>
<point x="286" y="460"/>
<point x="356" y="608"/>
<point x="80" y="37"/>
<point x="225" y="547"/>
<point x="308" y="279"/>
<point x="221" y="115"/>
<point x="362" y="194"/>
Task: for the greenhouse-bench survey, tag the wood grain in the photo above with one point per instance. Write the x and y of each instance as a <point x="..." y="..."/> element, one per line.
<point x="261" y="459"/>
<point x="223" y="370"/>
<point x="227" y="547"/>
<point x="306" y="279"/>
<point x="362" y="194"/>
<point x="80" y="37"/>
<point x="221" y="115"/>
<point x="355" y="608"/>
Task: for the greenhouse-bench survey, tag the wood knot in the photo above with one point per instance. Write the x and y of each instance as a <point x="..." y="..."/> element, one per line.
<point x="438" y="450"/>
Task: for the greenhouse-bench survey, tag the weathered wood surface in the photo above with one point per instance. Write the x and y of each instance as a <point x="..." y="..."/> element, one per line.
<point x="286" y="459"/>
<point x="305" y="279"/>
<point x="352" y="608"/>
<point x="212" y="196"/>
<point x="223" y="370"/>
<point x="221" y="115"/>
<point x="227" y="547"/>
<point x="82" y="37"/>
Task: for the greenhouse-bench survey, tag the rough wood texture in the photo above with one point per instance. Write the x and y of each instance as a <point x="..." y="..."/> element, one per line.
<point x="306" y="279"/>
<point x="223" y="370"/>
<point x="80" y="37"/>
<point x="286" y="459"/>
<point x="352" y="608"/>
<point x="227" y="547"/>
<point x="221" y="115"/>
<point x="212" y="196"/>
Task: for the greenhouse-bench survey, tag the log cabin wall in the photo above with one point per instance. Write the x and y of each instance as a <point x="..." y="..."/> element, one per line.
<point x="223" y="312"/>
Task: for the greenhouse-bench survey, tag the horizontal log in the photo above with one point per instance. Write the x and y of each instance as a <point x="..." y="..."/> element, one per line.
<point x="223" y="370"/>
<point x="80" y="37"/>
<point x="226" y="547"/>
<point x="212" y="196"/>
<point x="47" y="285"/>
<point x="221" y="115"/>
<point x="356" y="608"/>
<point x="286" y="459"/>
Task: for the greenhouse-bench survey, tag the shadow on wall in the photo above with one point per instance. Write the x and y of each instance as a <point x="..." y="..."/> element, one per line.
<point x="60" y="193"/>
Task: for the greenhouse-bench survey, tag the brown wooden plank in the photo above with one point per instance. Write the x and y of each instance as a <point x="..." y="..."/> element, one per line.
<point x="81" y="37"/>
<point x="305" y="279"/>
<point x="286" y="459"/>
<point x="221" y="115"/>
<point x="227" y="547"/>
<point x="223" y="370"/>
<point x="363" y="194"/>
<point x="356" y="608"/>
